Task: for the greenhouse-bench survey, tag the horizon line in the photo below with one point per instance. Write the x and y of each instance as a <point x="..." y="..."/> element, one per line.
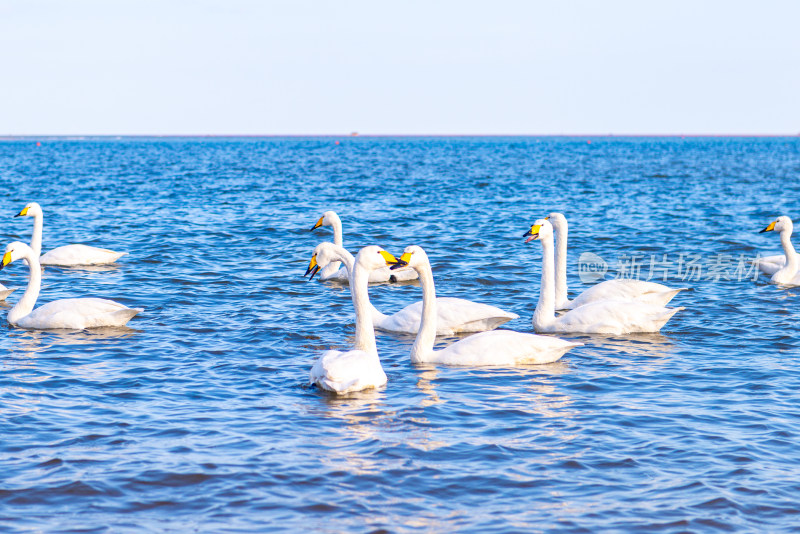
<point x="5" y="137"/>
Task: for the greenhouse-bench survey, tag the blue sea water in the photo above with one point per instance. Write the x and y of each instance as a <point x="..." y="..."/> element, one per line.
<point x="199" y="417"/>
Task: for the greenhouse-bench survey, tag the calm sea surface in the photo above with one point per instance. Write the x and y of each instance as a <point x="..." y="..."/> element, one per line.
<point x="199" y="418"/>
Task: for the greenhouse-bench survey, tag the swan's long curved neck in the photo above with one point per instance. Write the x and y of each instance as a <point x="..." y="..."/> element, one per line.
<point x="426" y="336"/>
<point x="348" y="260"/>
<point x="337" y="233"/>
<point x="792" y="260"/>
<point x="546" y="307"/>
<point x="36" y="238"/>
<point x="338" y="241"/>
<point x="28" y="300"/>
<point x="561" y="265"/>
<point x="365" y="330"/>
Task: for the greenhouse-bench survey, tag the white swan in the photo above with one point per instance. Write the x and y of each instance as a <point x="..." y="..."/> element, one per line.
<point x="770" y="265"/>
<point x="787" y="273"/>
<point x="68" y="255"/>
<point x="623" y="289"/>
<point x="498" y="347"/>
<point x="72" y="314"/>
<point x="600" y="317"/>
<point x="334" y="273"/>
<point x="358" y="368"/>
<point x="454" y="315"/>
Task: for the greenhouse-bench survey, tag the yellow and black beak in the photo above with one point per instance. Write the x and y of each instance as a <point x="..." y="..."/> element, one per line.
<point x="23" y="212"/>
<point x="319" y="223"/>
<point x="402" y="262"/>
<point x="6" y="259"/>
<point x="313" y="268"/>
<point x="533" y="233"/>
<point x="769" y="228"/>
<point x="388" y="258"/>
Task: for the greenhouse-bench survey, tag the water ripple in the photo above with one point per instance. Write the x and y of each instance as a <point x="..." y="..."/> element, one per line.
<point x="199" y="417"/>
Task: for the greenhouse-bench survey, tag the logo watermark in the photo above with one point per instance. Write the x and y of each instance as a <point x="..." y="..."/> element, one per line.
<point x="663" y="267"/>
<point x="591" y="268"/>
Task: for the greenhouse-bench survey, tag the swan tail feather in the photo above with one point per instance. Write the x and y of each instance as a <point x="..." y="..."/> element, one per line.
<point x="5" y="293"/>
<point x="121" y="317"/>
<point x="665" y="296"/>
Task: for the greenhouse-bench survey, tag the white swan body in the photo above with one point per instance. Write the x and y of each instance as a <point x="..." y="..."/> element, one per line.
<point x="67" y="255"/>
<point x="332" y="272"/>
<point x="454" y="315"/>
<point x="495" y="348"/>
<point x="786" y="274"/>
<point x="72" y="314"/>
<point x="600" y="317"/>
<point x="647" y="292"/>
<point x="359" y="368"/>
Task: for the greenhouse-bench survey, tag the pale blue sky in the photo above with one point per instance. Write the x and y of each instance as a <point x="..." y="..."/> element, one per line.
<point x="410" y="67"/>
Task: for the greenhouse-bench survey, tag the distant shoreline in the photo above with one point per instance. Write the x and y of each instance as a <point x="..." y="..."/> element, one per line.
<point x="90" y="137"/>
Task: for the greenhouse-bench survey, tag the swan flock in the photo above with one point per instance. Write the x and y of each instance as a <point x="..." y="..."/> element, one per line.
<point x="611" y="307"/>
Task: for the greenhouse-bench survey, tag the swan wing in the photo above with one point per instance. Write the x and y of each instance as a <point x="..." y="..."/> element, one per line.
<point x="78" y="314"/>
<point x="345" y="372"/>
<point x="454" y="315"/>
<point x="503" y="347"/>
<point x="615" y="317"/>
<point x="649" y="292"/>
<point x="770" y="264"/>
<point x="69" y="255"/>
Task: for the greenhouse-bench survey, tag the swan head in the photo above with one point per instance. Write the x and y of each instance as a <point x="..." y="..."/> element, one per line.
<point x="557" y="220"/>
<point x="413" y="256"/>
<point x="31" y="209"/>
<point x="324" y="254"/>
<point x="15" y="251"/>
<point x="373" y="257"/>
<point x="541" y="229"/>
<point x="781" y="224"/>
<point x="329" y="218"/>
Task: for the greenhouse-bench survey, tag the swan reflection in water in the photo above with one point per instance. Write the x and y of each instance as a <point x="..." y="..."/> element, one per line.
<point x="111" y="267"/>
<point x="652" y="345"/>
<point x="24" y="348"/>
<point x="35" y="341"/>
<point x="541" y="397"/>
